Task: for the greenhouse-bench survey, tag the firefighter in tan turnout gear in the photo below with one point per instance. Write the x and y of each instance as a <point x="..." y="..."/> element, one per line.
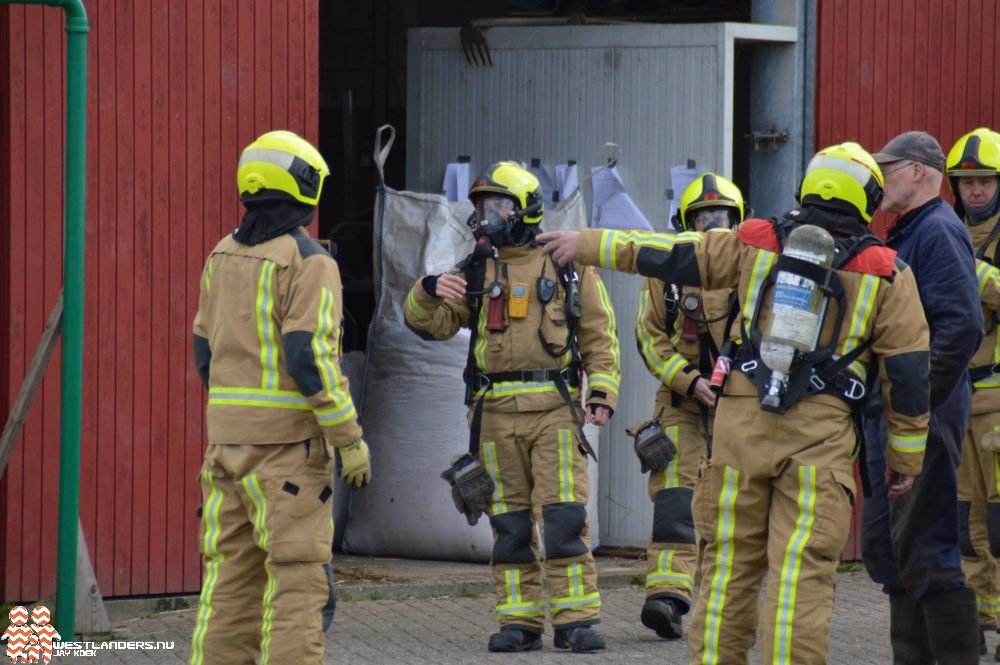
<point x="775" y="496"/>
<point x="534" y="330"/>
<point x="973" y="167"/>
<point x="679" y="331"/>
<point x="267" y="346"/>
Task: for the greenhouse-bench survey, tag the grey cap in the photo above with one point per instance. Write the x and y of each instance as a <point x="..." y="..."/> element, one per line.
<point x="915" y="146"/>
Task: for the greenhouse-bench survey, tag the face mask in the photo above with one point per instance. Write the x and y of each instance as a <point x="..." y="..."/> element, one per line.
<point x="710" y="218"/>
<point x="492" y="219"/>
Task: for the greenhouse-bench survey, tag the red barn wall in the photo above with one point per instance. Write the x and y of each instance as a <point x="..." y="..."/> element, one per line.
<point x="890" y="66"/>
<point x="176" y="89"/>
<point x="894" y="65"/>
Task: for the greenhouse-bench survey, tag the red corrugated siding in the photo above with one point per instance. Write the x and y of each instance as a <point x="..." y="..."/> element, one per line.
<point x="176" y="89"/>
<point x="4" y="293"/>
<point x="895" y="65"/>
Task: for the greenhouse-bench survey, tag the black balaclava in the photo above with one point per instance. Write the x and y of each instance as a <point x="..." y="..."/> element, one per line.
<point x="831" y="219"/>
<point x="270" y="218"/>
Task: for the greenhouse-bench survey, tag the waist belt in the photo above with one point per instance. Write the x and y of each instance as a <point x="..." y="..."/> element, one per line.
<point x="983" y="372"/>
<point x="569" y="375"/>
<point x="563" y="378"/>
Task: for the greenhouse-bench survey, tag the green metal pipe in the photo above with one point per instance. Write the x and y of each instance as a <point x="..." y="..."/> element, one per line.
<point x="77" y="28"/>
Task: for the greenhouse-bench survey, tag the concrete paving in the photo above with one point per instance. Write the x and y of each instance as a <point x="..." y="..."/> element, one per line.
<point x="441" y="613"/>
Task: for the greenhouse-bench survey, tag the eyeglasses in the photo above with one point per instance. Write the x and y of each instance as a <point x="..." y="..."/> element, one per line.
<point x="898" y="168"/>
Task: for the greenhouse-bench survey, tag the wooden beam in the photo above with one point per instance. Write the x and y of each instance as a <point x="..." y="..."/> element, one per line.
<point x="12" y="430"/>
<point x="91" y="615"/>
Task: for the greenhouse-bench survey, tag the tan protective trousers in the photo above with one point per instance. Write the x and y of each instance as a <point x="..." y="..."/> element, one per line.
<point x="541" y="481"/>
<point x="979" y="484"/>
<point x="267" y="530"/>
<point x="774" y="499"/>
<point x="670" y="566"/>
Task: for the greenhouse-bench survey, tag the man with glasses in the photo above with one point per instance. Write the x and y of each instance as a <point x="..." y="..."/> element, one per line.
<point x="910" y="541"/>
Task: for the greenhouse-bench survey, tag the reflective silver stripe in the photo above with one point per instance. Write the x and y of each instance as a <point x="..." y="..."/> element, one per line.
<point x="277" y="157"/>
<point x="861" y="173"/>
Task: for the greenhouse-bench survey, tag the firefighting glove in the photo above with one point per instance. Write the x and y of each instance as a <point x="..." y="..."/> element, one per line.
<point x="653" y="447"/>
<point x="471" y="486"/>
<point x="356" y="465"/>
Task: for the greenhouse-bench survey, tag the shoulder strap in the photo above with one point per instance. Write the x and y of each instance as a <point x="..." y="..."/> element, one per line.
<point x="670" y="315"/>
<point x="981" y="252"/>
<point x="568" y="278"/>
<point x="475" y="276"/>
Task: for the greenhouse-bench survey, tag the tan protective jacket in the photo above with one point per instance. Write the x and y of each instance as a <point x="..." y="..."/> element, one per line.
<point x="669" y="356"/>
<point x="986" y="398"/>
<point x="518" y="346"/>
<point x="267" y="343"/>
<point x="884" y="308"/>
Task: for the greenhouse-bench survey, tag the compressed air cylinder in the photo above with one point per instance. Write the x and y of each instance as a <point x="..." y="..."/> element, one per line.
<point x="797" y="308"/>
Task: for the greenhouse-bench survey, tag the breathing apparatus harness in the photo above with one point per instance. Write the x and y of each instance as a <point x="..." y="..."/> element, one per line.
<point x="817" y="371"/>
<point x="466" y="475"/>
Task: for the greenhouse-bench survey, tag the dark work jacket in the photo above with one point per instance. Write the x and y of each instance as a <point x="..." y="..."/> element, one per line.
<point x="935" y="244"/>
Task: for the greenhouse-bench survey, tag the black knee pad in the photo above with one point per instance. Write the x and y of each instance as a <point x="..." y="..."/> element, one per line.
<point x="993" y="527"/>
<point x="513" y="541"/>
<point x="964" y="537"/>
<point x="564" y="523"/>
<point x="331" y="603"/>
<point x="672" y="521"/>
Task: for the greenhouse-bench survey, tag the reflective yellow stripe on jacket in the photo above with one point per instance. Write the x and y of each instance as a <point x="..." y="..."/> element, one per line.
<point x="761" y="268"/>
<point x="325" y="354"/>
<point x="987" y="274"/>
<point x="858" y="326"/>
<point x="265" y="327"/>
<point x="275" y="399"/>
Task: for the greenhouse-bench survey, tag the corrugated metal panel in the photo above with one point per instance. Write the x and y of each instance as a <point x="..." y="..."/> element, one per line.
<point x="558" y="94"/>
<point x="176" y="89"/>
<point x="888" y="67"/>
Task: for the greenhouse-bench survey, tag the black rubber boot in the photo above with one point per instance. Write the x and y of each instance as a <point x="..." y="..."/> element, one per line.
<point x="952" y="627"/>
<point x="661" y="615"/>
<point x="512" y="640"/>
<point x="908" y="632"/>
<point x="581" y="639"/>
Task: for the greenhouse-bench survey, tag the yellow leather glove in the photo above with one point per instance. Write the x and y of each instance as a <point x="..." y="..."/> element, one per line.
<point x="356" y="465"/>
